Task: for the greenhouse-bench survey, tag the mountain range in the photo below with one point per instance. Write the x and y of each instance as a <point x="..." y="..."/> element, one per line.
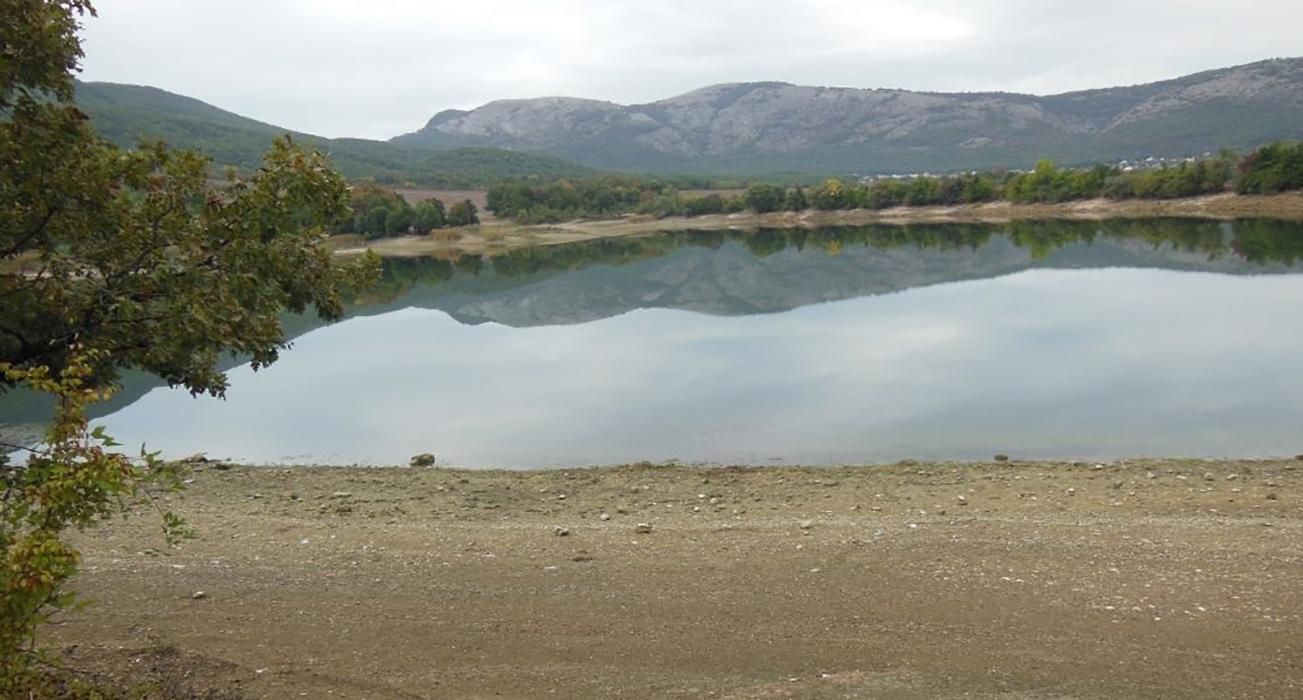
<point x="125" y="114"/>
<point x="752" y="129"/>
<point x="777" y="127"/>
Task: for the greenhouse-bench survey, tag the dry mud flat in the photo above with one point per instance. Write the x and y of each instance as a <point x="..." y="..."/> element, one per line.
<point x="1140" y="579"/>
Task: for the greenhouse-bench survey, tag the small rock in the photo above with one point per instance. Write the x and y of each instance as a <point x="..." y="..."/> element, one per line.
<point x="1209" y="476"/>
<point x="561" y="531"/>
<point x="342" y="494"/>
<point x="1271" y="497"/>
<point x="1072" y="492"/>
<point x="961" y="500"/>
<point x="198" y="595"/>
<point x="1150" y="475"/>
<point x="1098" y="467"/>
<point x="1002" y="458"/>
<point x="604" y="517"/>
<point x="806" y="524"/>
<point x="425" y="459"/>
<point x="1232" y="477"/>
<point x="643" y="528"/>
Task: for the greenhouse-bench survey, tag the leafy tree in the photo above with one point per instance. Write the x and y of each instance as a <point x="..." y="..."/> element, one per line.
<point x="706" y="204"/>
<point x="429" y="215"/>
<point x="830" y="195"/>
<point x="1273" y="168"/>
<point x="763" y="198"/>
<point x="463" y="213"/>
<point x="398" y="221"/>
<point x="795" y="200"/>
<point x="116" y="259"/>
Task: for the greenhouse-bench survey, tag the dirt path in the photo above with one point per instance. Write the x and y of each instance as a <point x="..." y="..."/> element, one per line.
<point x="1016" y="580"/>
<point x="498" y="236"/>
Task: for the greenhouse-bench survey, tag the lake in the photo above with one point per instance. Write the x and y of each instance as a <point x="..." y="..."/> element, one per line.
<point x="859" y="345"/>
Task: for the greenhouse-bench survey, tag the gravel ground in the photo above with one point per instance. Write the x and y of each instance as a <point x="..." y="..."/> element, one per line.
<point x="1138" y="579"/>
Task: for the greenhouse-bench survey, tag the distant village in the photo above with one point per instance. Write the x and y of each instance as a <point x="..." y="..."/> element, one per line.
<point x="1125" y="165"/>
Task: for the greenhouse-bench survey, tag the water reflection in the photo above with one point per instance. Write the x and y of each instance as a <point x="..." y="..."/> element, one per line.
<point x="846" y="345"/>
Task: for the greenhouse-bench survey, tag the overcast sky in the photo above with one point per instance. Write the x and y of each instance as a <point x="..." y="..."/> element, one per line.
<point x="377" y="68"/>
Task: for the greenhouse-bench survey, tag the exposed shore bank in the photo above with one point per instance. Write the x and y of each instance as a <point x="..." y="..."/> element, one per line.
<point x="496" y="236"/>
<point x="1141" y="578"/>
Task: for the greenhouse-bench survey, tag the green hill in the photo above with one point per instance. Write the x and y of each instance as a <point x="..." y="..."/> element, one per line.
<point x="124" y="114"/>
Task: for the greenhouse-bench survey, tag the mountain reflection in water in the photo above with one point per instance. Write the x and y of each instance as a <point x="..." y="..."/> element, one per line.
<point x="1057" y="340"/>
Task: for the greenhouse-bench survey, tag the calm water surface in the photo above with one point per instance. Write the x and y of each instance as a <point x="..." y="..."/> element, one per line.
<point x="860" y="345"/>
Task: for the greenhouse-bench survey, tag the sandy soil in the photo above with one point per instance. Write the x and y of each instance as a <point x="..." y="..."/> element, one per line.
<point x="1140" y="579"/>
<point x="500" y="236"/>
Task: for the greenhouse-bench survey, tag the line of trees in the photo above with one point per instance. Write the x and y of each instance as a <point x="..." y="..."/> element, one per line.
<point x="1270" y="169"/>
<point x="379" y="212"/>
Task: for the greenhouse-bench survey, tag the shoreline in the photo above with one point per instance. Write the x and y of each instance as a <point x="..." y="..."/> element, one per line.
<point x="496" y="236"/>
<point x="1019" y="579"/>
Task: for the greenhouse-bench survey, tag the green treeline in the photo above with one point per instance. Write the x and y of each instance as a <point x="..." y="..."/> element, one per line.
<point x="1270" y="169"/>
<point x="380" y="212"/>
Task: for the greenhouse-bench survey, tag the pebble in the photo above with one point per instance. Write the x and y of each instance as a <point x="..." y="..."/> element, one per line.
<point x="561" y="531"/>
<point x="961" y="500"/>
<point x="1209" y="477"/>
<point x="806" y="524"/>
<point x="198" y="595"/>
<point x="1098" y="467"/>
<point x="643" y="528"/>
<point x="604" y="517"/>
<point x="1272" y="497"/>
<point x="1072" y="492"/>
<point x="342" y="494"/>
<point x="1002" y="458"/>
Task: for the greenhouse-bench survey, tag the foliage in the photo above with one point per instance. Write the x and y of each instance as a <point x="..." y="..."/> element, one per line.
<point x="1269" y="169"/>
<point x="115" y="259"/>
<point x="763" y="198"/>
<point x="463" y="213"/>
<point x="379" y="212"/>
<point x="1273" y="168"/>
<point x="429" y="214"/>
<point x="74" y="480"/>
